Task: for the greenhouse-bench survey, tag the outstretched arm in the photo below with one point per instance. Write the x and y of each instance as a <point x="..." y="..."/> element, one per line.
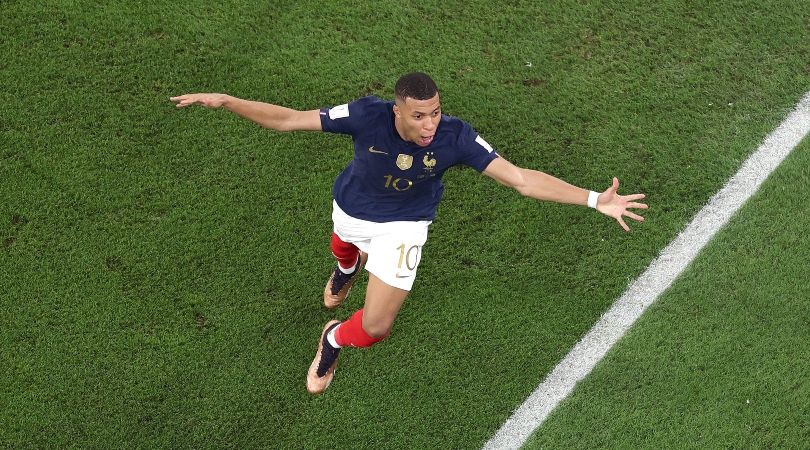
<point x="265" y="114"/>
<point x="541" y="186"/>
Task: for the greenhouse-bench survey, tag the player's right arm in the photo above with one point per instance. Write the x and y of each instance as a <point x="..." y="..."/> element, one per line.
<point x="267" y="115"/>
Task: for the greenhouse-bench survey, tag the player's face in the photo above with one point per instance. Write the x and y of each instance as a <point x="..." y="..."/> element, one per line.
<point x="417" y="120"/>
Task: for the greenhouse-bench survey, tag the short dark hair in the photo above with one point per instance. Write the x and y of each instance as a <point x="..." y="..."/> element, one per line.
<point x="416" y="85"/>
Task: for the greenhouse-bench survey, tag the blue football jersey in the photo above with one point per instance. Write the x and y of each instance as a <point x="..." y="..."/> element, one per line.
<point x="390" y="179"/>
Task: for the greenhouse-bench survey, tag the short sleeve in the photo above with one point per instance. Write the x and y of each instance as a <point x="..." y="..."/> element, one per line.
<point x="477" y="153"/>
<point x="347" y="118"/>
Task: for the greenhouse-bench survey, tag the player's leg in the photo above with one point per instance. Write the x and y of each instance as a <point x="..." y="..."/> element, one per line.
<point x="394" y="251"/>
<point x="366" y="327"/>
<point x="374" y="322"/>
<point x="394" y="255"/>
<point x="350" y="238"/>
<point x="350" y="262"/>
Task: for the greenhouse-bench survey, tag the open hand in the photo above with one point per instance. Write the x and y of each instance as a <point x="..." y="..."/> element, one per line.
<point x="207" y="100"/>
<point x="610" y="203"/>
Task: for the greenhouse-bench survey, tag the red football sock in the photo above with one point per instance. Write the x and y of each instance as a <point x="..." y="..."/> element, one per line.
<point x="351" y="333"/>
<point x="345" y="252"/>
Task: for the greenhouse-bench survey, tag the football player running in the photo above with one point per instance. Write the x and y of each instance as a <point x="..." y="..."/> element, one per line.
<point x="386" y="198"/>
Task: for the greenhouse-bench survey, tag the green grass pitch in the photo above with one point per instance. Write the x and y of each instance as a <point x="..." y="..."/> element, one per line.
<point x="161" y="270"/>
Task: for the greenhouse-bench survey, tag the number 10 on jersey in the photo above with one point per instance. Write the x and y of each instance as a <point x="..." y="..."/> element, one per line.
<point x="399" y="184"/>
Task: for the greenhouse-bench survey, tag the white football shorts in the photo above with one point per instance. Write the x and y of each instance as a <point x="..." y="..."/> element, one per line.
<point x="394" y="248"/>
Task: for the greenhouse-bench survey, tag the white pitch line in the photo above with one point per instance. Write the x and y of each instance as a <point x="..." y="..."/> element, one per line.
<point x="644" y="291"/>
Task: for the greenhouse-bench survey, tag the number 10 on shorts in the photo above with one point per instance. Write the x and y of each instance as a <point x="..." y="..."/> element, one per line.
<point x="408" y="256"/>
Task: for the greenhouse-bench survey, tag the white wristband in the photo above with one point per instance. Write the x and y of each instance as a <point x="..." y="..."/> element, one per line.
<point x="592" y="198"/>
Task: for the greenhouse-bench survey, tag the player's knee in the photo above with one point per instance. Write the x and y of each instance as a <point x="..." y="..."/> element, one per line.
<point x="378" y="330"/>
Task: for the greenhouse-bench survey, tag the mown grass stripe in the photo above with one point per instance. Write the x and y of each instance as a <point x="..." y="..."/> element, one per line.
<point x="646" y="289"/>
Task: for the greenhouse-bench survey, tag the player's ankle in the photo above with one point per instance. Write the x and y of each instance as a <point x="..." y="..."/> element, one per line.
<point x="330" y="338"/>
<point x="350" y="270"/>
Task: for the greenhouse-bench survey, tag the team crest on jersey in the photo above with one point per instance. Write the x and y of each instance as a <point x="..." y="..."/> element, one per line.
<point x="429" y="161"/>
<point x="404" y="161"/>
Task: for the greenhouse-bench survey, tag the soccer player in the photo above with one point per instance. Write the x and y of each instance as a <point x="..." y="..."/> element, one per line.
<point x="386" y="198"/>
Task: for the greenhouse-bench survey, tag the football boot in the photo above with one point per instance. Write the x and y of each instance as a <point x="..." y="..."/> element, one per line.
<point x="322" y="369"/>
<point x="339" y="284"/>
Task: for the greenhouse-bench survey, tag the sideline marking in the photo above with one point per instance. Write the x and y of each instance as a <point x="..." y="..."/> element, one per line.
<point x="663" y="270"/>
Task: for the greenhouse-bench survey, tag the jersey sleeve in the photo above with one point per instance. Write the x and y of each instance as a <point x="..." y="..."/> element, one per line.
<point x="476" y="152"/>
<point x="347" y="118"/>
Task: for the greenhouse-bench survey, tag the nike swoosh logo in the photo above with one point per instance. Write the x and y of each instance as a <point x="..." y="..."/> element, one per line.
<point x="403" y="276"/>
<point x="373" y="150"/>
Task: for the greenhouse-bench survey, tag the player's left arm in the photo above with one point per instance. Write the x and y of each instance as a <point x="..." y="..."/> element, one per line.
<point x="542" y="186"/>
